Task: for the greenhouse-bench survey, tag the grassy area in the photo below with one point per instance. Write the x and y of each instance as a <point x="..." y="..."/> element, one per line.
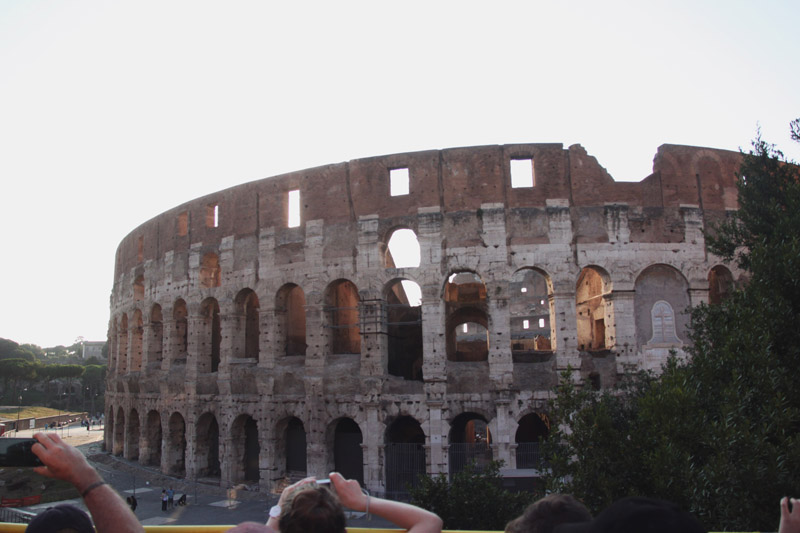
<point x="28" y="411"/>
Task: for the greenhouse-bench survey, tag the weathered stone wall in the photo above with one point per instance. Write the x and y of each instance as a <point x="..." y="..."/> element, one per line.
<point x="242" y="349"/>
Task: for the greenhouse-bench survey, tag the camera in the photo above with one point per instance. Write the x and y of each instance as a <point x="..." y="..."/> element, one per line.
<point x="17" y="453"/>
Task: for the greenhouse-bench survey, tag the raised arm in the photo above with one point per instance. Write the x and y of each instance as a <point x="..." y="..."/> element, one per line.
<point x="62" y="461"/>
<point x="790" y="518"/>
<point x="410" y="517"/>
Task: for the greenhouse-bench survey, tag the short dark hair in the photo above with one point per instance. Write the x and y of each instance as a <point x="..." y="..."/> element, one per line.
<point x="544" y="515"/>
<point x="315" y="510"/>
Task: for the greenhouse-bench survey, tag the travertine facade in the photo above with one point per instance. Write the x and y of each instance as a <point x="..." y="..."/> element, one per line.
<point x="249" y="342"/>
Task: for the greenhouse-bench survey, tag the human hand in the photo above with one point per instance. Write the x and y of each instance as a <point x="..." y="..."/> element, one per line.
<point x="349" y="492"/>
<point x="790" y="520"/>
<point x="62" y="461"/>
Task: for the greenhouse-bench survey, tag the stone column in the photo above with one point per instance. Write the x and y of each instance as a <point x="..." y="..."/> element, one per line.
<point x="563" y="300"/>
<point x="437" y="429"/>
<point x="373" y="448"/>
<point x="501" y="365"/>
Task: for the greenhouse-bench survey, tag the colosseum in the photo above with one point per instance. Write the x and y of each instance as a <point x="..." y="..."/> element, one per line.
<point x="402" y="314"/>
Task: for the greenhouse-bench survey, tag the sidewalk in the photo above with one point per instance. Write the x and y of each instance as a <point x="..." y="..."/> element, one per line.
<point x="207" y="504"/>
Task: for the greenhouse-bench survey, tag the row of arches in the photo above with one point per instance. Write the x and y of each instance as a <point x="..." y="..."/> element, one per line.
<point x="661" y="293"/>
<point x="245" y="450"/>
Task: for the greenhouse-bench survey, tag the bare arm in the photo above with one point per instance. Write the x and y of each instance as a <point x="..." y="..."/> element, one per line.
<point x="410" y="517"/>
<point x="64" y="462"/>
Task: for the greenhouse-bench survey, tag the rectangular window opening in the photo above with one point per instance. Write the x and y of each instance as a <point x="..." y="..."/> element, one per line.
<point x="525" y="324"/>
<point x="398" y="181"/>
<point x="183" y="224"/>
<point x="294" y="209"/>
<point x="522" y="173"/>
<point x="212" y="216"/>
<point x="541" y="323"/>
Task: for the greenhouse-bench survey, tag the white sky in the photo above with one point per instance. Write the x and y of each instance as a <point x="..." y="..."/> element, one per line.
<point x="112" y="112"/>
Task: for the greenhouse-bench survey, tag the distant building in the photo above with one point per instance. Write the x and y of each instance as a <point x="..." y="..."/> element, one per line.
<point x="92" y="349"/>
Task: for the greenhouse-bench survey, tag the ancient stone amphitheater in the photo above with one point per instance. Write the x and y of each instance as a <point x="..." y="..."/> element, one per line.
<point x="401" y="314"/>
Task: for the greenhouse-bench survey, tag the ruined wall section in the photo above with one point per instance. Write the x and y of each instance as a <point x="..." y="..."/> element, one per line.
<point x="636" y="237"/>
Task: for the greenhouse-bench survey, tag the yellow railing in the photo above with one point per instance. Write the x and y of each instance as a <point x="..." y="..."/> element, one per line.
<point x="20" y="528"/>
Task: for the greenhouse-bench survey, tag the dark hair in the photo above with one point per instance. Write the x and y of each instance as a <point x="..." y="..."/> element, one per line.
<point x="544" y="515"/>
<point x="314" y="510"/>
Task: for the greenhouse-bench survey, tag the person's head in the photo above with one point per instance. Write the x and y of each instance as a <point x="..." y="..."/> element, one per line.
<point x="638" y="514"/>
<point x="313" y="510"/>
<point x="544" y="515"/>
<point x="62" y="518"/>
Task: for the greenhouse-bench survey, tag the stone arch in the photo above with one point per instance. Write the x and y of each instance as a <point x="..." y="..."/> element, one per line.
<point x="207" y="446"/>
<point x="122" y="344"/>
<point x="345" y="442"/>
<point x="119" y="432"/>
<point x="720" y="284"/>
<point x="137" y="336"/>
<point x="405" y="458"/>
<point x="210" y="336"/>
<point x="176" y="448"/>
<point x="246" y="450"/>
<point x="401" y="249"/>
<point x="155" y="342"/>
<point x="180" y="332"/>
<point x="661" y="283"/>
<point x="341" y="305"/>
<point x="591" y="308"/>
<point x="153" y="436"/>
<point x="210" y="271"/>
<point x="290" y="320"/>
<point x="246" y="325"/>
<point x="469" y="442"/>
<point x="132" y="436"/>
<point x="108" y="437"/>
<point x="532" y="430"/>
<point x="531" y="312"/>
<point x="404" y="329"/>
<point x="466" y="322"/>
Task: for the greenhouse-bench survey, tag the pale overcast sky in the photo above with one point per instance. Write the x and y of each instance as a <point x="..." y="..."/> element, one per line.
<point x="112" y="112"/>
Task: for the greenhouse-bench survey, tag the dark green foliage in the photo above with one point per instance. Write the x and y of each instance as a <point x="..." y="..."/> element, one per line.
<point x="719" y="435"/>
<point x="472" y="500"/>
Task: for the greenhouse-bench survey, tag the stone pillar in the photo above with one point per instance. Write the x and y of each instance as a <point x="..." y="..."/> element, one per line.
<point x="501" y="365"/>
<point x="503" y="431"/>
<point x="434" y="345"/>
<point x="437" y="428"/>
<point x="563" y="300"/>
<point x="373" y="448"/>
<point x="621" y="308"/>
<point x="190" y="461"/>
<point x="374" y="343"/>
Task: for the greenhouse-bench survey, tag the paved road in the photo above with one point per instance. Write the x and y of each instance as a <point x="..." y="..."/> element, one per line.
<point x="208" y="504"/>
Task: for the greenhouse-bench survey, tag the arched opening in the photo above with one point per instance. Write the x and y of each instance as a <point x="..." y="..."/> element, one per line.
<point x="661" y="299"/>
<point x="531" y="313"/>
<point x="341" y="306"/>
<point x="246" y="450"/>
<point x="290" y="320"/>
<point x="246" y="328"/>
<point x="210" y="272"/>
<point x="176" y="458"/>
<point x="180" y="334"/>
<point x="207" y="446"/>
<point x="133" y="436"/>
<point x="136" y="342"/>
<point x="532" y="430"/>
<point x="720" y="284"/>
<point x="119" y="432"/>
<point x="122" y="345"/>
<point x="348" y="456"/>
<point x="155" y="343"/>
<point x="469" y="443"/>
<point x="405" y="456"/>
<point x="153" y="437"/>
<point x="466" y="325"/>
<point x="210" y="336"/>
<point x="402" y="250"/>
<point x="404" y="329"/>
<point x="296" y="464"/>
<point x="591" y="292"/>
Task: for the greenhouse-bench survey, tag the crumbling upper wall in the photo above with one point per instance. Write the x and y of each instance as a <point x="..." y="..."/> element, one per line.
<point x="455" y="181"/>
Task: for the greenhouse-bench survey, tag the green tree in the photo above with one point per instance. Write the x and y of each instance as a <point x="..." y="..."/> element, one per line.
<point x="15" y="371"/>
<point x="720" y="434"/>
<point x="472" y="499"/>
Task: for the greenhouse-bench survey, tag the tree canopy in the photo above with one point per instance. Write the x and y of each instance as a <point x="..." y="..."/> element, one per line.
<point x="720" y="433"/>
